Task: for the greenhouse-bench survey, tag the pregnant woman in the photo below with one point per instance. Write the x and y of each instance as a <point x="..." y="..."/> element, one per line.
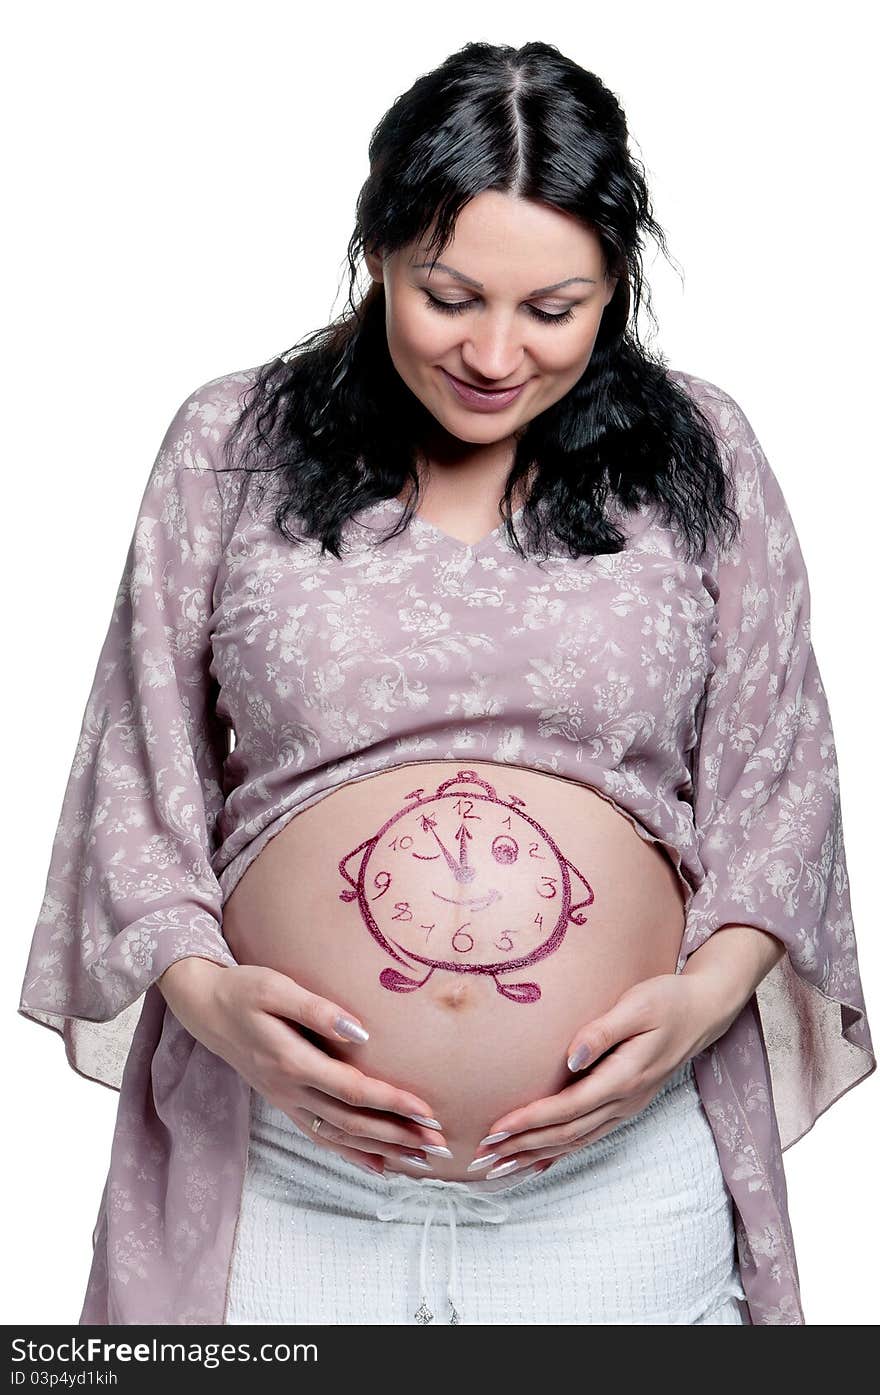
<point x="450" y="875"/>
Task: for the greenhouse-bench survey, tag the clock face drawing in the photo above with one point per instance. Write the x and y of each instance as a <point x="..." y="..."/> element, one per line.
<point x="462" y="880"/>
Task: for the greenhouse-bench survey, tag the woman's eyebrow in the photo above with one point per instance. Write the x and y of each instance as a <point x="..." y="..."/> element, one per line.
<point x="460" y="276"/>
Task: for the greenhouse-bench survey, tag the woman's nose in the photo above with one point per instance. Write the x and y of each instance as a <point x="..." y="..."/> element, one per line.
<point x="494" y="352"/>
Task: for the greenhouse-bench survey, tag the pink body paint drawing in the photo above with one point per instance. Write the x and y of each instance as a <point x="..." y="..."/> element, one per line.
<point x="426" y="900"/>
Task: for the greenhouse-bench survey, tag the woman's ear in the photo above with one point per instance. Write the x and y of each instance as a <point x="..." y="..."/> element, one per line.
<point x="612" y="279"/>
<point x="375" y="265"/>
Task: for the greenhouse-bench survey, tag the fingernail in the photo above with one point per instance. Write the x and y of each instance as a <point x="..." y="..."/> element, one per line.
<point x="492" y="1138"/>
<point x="536" y="1167"/>
<point x="579" y="1058"/>
<point x="416" y="1161"/>
<point x="481" y="1162"/>
<point x="352" y="1030"/>
<point x="500" y="1170"/>
<point x="423" y="1119"/>
<point x="433" y="1148"/>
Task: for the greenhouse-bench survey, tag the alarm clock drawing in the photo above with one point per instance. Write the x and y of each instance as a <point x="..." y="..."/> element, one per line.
<point x="462" y="880"/>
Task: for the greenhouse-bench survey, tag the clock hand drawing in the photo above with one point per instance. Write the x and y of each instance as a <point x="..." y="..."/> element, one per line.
<point x="427" y="902"/>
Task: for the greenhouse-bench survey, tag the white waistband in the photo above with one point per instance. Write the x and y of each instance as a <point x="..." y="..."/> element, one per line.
<point x="415" y="1195"/>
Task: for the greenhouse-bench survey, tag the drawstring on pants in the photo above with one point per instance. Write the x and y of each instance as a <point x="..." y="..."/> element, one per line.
<point x="414" y="1195"/>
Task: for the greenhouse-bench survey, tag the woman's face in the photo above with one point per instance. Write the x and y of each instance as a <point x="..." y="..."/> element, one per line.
<point x="505" y="327"/>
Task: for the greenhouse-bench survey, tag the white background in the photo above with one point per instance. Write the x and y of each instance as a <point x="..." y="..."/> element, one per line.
<point x="182" y="183"/>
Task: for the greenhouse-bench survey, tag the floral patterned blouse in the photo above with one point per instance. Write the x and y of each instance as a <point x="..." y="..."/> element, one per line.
<point x="687" y="693"/>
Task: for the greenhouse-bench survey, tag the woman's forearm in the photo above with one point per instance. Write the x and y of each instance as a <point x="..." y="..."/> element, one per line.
<point x="731" y="963"/>
<point x="183" y="974"/>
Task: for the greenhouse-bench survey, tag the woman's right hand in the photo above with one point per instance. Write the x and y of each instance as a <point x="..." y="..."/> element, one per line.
<point x="246" y="1014"/>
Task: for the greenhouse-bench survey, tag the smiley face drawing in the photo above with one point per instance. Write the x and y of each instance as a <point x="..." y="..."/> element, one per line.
<point x="465" y="881"/>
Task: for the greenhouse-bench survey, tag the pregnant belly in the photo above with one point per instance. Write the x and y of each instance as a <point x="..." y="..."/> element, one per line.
<point x="472" y="917"/>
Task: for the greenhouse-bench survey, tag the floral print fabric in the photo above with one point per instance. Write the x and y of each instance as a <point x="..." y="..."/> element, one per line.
<point x="687" y="693"/>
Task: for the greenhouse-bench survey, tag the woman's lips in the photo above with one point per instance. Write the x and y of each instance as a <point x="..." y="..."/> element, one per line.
<point x="479" y="399"/>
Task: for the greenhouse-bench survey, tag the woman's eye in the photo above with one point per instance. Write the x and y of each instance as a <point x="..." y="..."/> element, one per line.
<point x="453" y="307"/>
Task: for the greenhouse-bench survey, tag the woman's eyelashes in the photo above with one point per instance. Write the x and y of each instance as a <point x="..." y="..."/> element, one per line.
<point x="447" y="307"/>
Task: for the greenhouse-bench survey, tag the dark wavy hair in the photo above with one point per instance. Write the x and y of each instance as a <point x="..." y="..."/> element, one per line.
<point x="337" y="425"/>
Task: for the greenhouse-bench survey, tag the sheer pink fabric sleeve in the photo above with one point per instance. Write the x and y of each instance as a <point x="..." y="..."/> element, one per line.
<point x="767" y="798"/>
<point x="130" y="887"/>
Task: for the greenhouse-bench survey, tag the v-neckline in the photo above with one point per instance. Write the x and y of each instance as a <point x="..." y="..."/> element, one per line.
<point x="449" y="537"/>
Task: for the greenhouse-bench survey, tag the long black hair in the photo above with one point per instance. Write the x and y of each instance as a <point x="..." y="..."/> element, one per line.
<point x="337" y="425"/>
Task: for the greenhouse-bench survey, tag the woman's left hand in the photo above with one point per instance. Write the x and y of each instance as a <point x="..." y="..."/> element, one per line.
<point x="653" y="1027"/>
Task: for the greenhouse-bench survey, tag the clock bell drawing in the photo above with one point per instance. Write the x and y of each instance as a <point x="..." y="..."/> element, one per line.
<point x="463" y="880"/>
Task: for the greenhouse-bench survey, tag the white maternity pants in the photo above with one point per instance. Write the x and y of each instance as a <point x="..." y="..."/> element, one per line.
<point x="636" y="1227"/>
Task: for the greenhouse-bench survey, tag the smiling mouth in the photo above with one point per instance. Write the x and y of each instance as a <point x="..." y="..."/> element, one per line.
<point x="489" y="391"/>
<point x="477" y="903"/>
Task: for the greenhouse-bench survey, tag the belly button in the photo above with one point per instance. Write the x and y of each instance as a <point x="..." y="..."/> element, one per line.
<point x="455" y="996"/>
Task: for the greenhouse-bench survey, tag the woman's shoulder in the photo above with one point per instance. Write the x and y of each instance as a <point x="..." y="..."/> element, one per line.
<point x="758" y="493"/>
<point x="193" y="472"/>
<point x="212" y="408"/>
<point x="719" y="404"/>
<point x="703" y="389"/>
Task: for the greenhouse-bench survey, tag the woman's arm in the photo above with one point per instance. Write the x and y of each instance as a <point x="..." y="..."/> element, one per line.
<point x="131" y="888"/>
<point x="730" y="965"/>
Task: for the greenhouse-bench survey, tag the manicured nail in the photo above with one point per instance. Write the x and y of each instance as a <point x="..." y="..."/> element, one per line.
<point x="579" y="1058"/>
<point x="500" y="1170"/>
<point x="416" y="1161"/>
<point x="433" y="1148"/>
<point x="423" y="1119"/>
<point x="481" y="1162"/>
<point x="492" y="1138"/>
<point x="535" y="1167"/>
<point x="353" y="1031"/>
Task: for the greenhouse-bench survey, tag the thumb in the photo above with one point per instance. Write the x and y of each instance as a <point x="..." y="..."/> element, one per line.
<point x="598" y="1037"/>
